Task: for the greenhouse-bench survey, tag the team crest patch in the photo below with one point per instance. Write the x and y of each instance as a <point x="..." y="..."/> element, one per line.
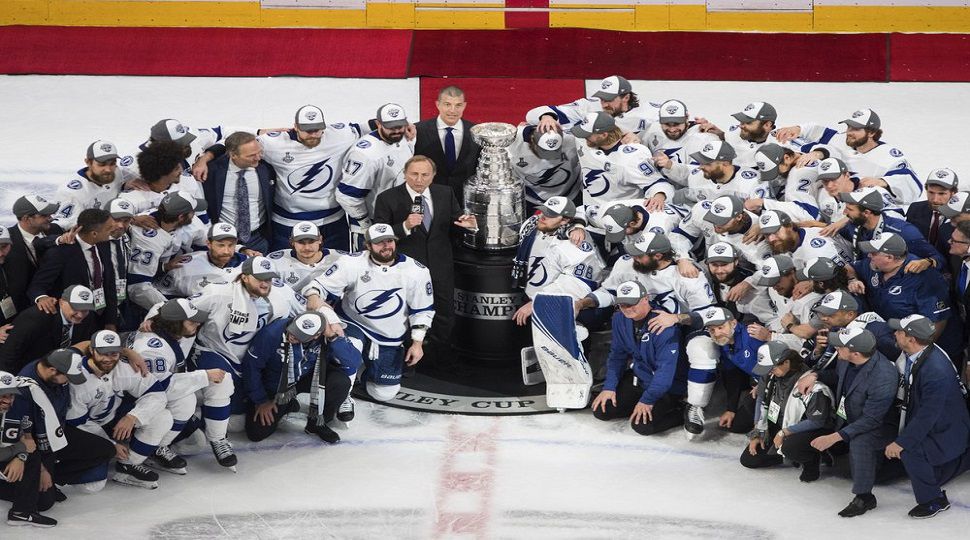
<point x="338" y="125"/>
<point x="288" y="158"/>
<point x="629" y="149"/>
<point x="126" y="161"/>
<point x="748" y="175"/>
<point x="896" y="290"/>
<point x="895" y="152"/>
<point x="817" y="242"/>
<point x="74" y="184"/>
<point x="363" y="143"/>
<point x="155" y="343"/>
<point x="150" y="233"/>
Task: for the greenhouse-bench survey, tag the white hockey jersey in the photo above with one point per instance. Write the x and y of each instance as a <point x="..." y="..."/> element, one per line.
<point x="382" y="301"/>
<point x="661" y="222"/>
<point x="832" y="209"/>
<point x="545" y="178"/>
<point x="811" y="244"/>
<point x="636" y="120"/>
<point x="558" y="266"/>
<point x="678" y="151"/>
<point x="307" y="178"/>
<point x="370" y="167"/>
<point x="592" y="166"/>
<point x="667" y="287"/>
<point x="694" y="231"/>
<point x="79" y="193"/>
<point x="159" y="354"/>
<point x="746" y="183"/>
<point x="802" y="309"/>
<point x="197" y="272"/>
<point x="630" y="173"/>
<point x="297" y="274"/>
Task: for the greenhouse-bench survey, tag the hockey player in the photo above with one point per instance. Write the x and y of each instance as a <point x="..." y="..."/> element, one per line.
<point x="308" y="167"/>
<point x="93" y="186"/>
<point x="306" y="258"/>
<point x="757" y="121"/>
<point x="724" y="270"/>
<point x="778" y="274"/>
<point x="375" y="163"/>
<point x="615" y="97"/>
<point x="802" y="243"/>
<point x="836" y="180"/>
<point x="160" y="167"/>
<point x="794" y="187"/>
<point x="627" y="219"/>
<point x="838" y="310"/>
<point x="596" y="138"/>
<point x="722" y="220"/>
<point x="547" y="163"/>
<point x="673" y="139"/>
<point x="217" y="264"/>
<point x="382" y="296"/>
<point x="717" y="175"/>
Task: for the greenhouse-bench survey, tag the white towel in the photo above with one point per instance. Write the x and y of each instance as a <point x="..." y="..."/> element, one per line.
<point x="52" y="425"/>
<point x="242" y="312"/>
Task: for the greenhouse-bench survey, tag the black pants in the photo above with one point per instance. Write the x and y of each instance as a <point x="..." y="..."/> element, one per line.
<point x="337" y="390"/>
<point x="765" y="457"/>
<point x="24" y="493"/>
<point x="743" y="415"/>
<point x="83" y="452"/>
<point x="668" y="412"/>
<point x="798" y="446"/>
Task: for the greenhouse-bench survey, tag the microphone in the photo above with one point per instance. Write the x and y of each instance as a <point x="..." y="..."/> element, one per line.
<point x="416" y="206"/>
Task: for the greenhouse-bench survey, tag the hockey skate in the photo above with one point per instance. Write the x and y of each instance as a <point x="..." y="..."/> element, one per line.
<point x="224" y="454"/>
<point x="167" y="460"/>
<point x="135" y="475"/>
<point x="346" y="411"/>
<point x="321" y="430"/>
<point x="693" y="421"/>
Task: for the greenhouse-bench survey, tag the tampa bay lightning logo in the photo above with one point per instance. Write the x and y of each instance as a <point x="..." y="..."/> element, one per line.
<point x="155" y="343"/>
<point x="311" y="178"/>
<point x="747" y="175"/>
<point x="817" y="242"/>
<point x="554" y="177"/>
<point x="666" y="301"/>
<point x="243" y="338"/>
<point x="379" y="304"/>
<point x="595" y="183"/>
<point x="537" y="272"/>
<point x="74" y="184"/>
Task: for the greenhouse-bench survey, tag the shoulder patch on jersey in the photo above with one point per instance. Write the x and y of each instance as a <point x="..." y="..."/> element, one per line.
<point x="817" y="242"/>
<point x="629" y="149"/>
<point x="274" y="133"/>
<point x="278" y="282"/>
<point x="358" y="254"/>
<point x="155" y="343"/>
<point x="150" y="233"/>
<point x="747" y="175"/>
<point x="895" y="152"/>
<point x="363" y="143"/>
<point x="126" y="161"/>
<point x="657" y="230"/>
<point x="585" y="246"/>
<point x="626" y="258"/>
<point x="74" y="184"/>
<point x="338" y="125"/>
<point x="706" y="205"/>
<point x="416" y="263"/>
<point x="695" y="171"/>
<point x="734" y="128"/>
<point x="812" y="164"/>
<point x="277" y="254"/>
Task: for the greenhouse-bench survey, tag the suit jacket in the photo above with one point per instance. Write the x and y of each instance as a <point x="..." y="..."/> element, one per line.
<point x="63" y="266"/>
<point x="430" y="248"/>
<point x="867" y="401"/>
<point x="937" y="421"/>
<point x="214" y="189"/>
<point x="428" y="143"/>
<point x="35" y="334"/>
<point x="20" y="268"/>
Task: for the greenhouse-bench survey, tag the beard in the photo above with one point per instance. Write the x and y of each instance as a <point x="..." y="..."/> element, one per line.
<point x="782" y="246"/>
<point x="392" y="138"/>
<point x="856" y="143"/>
<point x="383" y="259"/>
<point x="647" y="267"/>
<point x="858" y="221"/>
<point x="715" y="176"/>
<point x="757" y="135"/>
<point x="721" y="341"/>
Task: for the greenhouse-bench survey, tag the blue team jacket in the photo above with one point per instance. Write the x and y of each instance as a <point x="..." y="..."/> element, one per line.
<point x="657" y="360"/>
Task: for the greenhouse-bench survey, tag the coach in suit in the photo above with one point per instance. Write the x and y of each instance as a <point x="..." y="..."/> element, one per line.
<point x="936" y="434"/>
<point x="941" y="185"/>
<point x="39" y="332"/>
<point x="425" y="236"/>
<point x="447" y="140"/>
<point x="86" y="261"/>
<point x="30" y="238"/>
<point x="240" y="179"/>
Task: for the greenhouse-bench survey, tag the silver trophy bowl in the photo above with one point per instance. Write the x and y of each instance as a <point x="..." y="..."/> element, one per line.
<point x="494" y="195"/>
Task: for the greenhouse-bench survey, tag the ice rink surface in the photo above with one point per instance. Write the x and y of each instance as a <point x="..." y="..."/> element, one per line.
<point x="401" y="474"/>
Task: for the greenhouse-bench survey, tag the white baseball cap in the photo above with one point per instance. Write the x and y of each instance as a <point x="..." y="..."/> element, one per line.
<point x="171" y="129"/>
<point x="391" y="115"/>
<point x="310" y="118"/>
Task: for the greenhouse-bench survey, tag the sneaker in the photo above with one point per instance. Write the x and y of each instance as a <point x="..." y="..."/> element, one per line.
<point x="346" y="411"/>
<point x="135" y="475"/>
<point x="810" y="472"/>
<point x="325" y="433"/>
<point x="930" y="509"/>
<point x="59" y="495"/>
<point x="859" y="505"/>
<point x="693" y="420"/>
<point x="165" y="459"/>
<point x="33" y="519"/>
<point x="292" y="407"/>
<point x="224" y="454"/>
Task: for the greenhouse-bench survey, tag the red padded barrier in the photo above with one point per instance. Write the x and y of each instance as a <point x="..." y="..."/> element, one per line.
<point x="930" y="57"/>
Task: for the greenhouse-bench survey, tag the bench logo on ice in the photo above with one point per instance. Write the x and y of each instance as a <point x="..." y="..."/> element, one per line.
<point x="379" y="304"/>
<point x="311" y="178"/>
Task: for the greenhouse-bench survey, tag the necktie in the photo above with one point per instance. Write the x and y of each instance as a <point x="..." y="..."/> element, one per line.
<point x="934" y="229"/>
<point x="450" y="155"/>
<point x="98" y="277"/>
<point x="426" y="218"/>
<point x="65" y="336"/>
<point x="243" y="225"/>
<point x="962" y="279"/>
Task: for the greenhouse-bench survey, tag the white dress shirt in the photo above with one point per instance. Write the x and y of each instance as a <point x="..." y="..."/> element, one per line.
<point x="29" y="240"/>
<point x="257" y="214"/>
<point x="427" y="201"/>
<point x="457" y="132"/>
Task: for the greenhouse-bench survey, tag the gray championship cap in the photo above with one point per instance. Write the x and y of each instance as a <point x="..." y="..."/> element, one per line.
<point x="630" y="293"/>
<point x="102" y="151"/>
<point x="715" y="151"/>
<point x="944" y="178"/>
<point x="757" y="110"/>
<point x="5" y="236"/>
<point x="836" y="301"/>
<point x="855" y="339"/>
<point x="106" y="341"/>
<point x="770" y="355"/>
<point x="958" y="204"/>
<point x="391" y="116"/>
<point x="613" y="86"/>
<point x="593" y="124"/>
<point x="915" y="325"/>
<point x="68" y="362"/>
<point x="831" y="168"/>
<point x="558" y="206"/>
<point x="34" y="204"/>
<point x="772" y="270"/>
<point x="869" y="198"/>
<point x="714" y="316"/>
<point x="863" y="118"/>
<point x="181" y="309"/>
<point x="889" y="243"/>
<point x="177" y="203"/>
<point x="772" y="221"/>
<point x="170" y="129"/>
<point x="120" y="209"/>
<point x="817" y="269"/>
<point x="767" y="159"/>
<point x="305" y="326"/>
<point x="721" y="252"/>
<point x="723" y="209"/>
<point x="79" y="297"/>
<point x="672" y="111"/>
<point x="8" y="384"/>
<point x="615" y="220"/>
<point x="648" y="244"/>
<point x="305" y="230"/>
<point x="260" y="268"/>
<point x="222" y="231"/>
<point x="310" y="118"/>
<point x="548" y="145"/>
<point x="379" y="232"/>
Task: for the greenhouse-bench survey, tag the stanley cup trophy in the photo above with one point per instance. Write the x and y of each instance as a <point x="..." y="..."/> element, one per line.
<point x="494" y="195"/>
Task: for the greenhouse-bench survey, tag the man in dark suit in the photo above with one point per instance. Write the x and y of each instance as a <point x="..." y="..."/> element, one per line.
<point x="935" y="437"/>
<point x="941" y="185"/>
<point x="7" y="308"/>
<point x="39" y="332"/>
<point x="30" y="238"/>
<point x="960" y="250"/>
<point x="86" y="261"/>
<point x="447" y="140"/>
<point x="239" y="190"/>
<point x="422" y="215"/>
